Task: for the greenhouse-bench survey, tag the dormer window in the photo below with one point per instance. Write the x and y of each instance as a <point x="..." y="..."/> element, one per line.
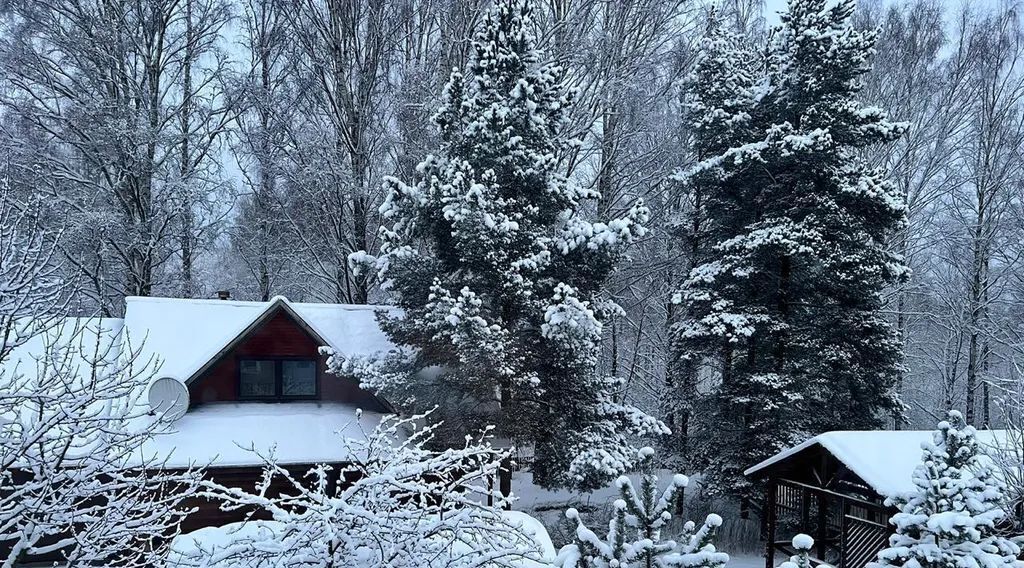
<point x="277" y="379"/>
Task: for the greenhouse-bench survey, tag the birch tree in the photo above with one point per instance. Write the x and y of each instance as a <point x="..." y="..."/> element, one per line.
<point x="124" y="92"/>
<point x="347" y="57"/>
<point x="261" y="237"/>
<point x="992" y="168"/>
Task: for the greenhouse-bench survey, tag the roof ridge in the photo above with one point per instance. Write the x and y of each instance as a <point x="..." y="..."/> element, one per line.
<point x="249" y="303"/>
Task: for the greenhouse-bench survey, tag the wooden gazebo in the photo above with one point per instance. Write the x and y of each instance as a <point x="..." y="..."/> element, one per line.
<point x="833" y="487"/>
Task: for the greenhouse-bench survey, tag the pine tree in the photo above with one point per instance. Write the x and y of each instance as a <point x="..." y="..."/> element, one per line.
<point x="950" y="522"/>
<point x="499" y="274"/>
<point x="785" y="303"/>
<point x="718" y="100"/>
<point x="802" y="544"/>
<point x="634" y="536"/>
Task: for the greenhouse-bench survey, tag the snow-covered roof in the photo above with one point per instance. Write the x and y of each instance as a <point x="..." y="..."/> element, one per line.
<point x="223" y="435"/>
<point x="80" y="343"/>
<point x="184" y="335"/>
<point x="167" y="337"/>
<point x="884" y="459"/>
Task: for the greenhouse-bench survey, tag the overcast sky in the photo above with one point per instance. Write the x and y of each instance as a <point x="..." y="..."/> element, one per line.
<point x="773" y="7"/>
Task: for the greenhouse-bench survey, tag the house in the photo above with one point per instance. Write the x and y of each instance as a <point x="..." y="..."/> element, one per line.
<point x="247" y="379"/>
<point x="833" y="487"/>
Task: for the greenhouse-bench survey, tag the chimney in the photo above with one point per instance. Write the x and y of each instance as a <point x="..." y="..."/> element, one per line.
<point x="223" y="294"/>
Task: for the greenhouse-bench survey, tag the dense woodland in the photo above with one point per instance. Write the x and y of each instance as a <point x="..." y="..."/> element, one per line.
<point x="179" y="147"/>
<point x="616" y="236"/>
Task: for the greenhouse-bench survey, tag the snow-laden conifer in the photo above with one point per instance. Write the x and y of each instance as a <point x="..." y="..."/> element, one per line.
<point x="635" y="538"/>
<point x="951" y="520"/>
<point x="785" y="303"/>
<point x="802" y="544"/>
<point x="499" y="272"/>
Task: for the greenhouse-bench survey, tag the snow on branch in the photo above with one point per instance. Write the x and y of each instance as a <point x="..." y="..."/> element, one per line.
<point x="73" y="422"/>
<point x="634" y="537"/>
<point x="75" y="480"/>
<point x="30" y="284"/>
<point x="396" y="504"/>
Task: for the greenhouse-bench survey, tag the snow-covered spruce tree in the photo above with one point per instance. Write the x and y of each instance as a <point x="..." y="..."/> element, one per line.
<point x="717" y="98"/>
<point x="499" y="274"/>
<point x="396" y="504"/>
<point x="786" y="302"/>
<point x="635" y="532"/>
<point x="950" y="522"/>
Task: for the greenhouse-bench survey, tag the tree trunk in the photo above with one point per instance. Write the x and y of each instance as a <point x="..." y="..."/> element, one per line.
<point x="976" y="312"/>
<point x="187" y="221"/>
<point x="606" y="177"/>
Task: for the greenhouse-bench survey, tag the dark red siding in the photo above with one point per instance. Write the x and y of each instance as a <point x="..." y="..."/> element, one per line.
<point x="279" y="336"/>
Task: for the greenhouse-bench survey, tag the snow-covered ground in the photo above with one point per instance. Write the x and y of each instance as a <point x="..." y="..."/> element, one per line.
<point x="219" y="546"/>
<point x="530" y="497"/>
<point x="745" y="561"/>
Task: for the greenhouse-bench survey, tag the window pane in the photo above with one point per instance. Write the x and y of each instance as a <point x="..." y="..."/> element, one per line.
<point x="298" y="378"/>
<point x="257" y="378"/>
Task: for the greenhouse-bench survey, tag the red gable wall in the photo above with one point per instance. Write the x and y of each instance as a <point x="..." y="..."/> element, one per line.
<point x="279" y="336"/>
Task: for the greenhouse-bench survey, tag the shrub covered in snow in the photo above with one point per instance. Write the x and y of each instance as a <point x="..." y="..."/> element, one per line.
<point x="635" y="532"/>
<point x="802" y="543"/>
<point x="950" y="522"/>
<point x="73" y="482"/>
<point x="72" y="423"/>
<point x="397" y="504"/>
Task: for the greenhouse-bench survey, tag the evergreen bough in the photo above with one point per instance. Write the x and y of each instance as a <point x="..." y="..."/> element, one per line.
<point x="802" y="544"/>
<point x="499" y="273"/>
<point x="951" y="520"/>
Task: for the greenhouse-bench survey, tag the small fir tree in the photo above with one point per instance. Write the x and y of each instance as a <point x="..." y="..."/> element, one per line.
<point x="950" y="522"/>
<point x="785" y="301"/>
<point x="634" y="536"/>
<point x="499" y="274"/>
<point x="802" y="544"/>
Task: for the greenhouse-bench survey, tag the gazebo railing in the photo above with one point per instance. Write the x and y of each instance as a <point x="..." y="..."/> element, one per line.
<point x="862" y="539"/>
<point x="848" y="531"/>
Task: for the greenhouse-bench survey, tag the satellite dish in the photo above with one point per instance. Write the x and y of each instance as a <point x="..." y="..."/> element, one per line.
<point x="168" y="397"/>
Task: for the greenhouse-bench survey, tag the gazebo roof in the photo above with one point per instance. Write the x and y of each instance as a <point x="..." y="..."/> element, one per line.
<point x="883" y="459"/>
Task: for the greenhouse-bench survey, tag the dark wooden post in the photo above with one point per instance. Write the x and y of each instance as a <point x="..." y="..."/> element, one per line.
<point x="490" y="490"/>
<point x="843" y="528"/>
<point x="822" y="534"/>
<point x="770" y="512"/>
<point x="505" y="478"/>
<point x="805" y="510"/>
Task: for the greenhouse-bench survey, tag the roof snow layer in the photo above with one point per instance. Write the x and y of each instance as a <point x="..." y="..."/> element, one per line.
<point x="80" y="342"/>
<point x="237" y="434"/>
<point x="183" y="335"/>
<point x="884" y="459"/>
